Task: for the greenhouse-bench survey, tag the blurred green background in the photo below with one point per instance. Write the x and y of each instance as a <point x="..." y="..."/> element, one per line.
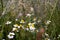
<point x="41" y="10"/>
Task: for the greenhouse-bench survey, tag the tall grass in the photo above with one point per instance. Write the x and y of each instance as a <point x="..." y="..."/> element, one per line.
<point x="36" y="12"/>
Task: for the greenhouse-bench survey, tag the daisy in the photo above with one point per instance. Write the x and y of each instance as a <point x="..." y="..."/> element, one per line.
<point x="11" y="35"/>
<point x="48" y="22"/>
<point x="8" y="22"/>
<point x="22" y="21"/>
<point x="28" y="15"/>
<point x="15" y="29"/>
<point x="15" y="25"/>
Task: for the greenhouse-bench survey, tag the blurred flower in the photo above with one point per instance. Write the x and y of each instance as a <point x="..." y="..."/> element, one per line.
<point x="18" y="26"/>
<point x="32" y="28"/>
<point x="28" y="15"/>
<point x="37" y="31"/>
<point x="32" y="9"/>
<point x="38" y="20"/>
<point x="27" y="29"/>
<point x="58" y="35"/>
<point x="34" y="19"/>
<point x="48" y="22"/>
<point x="8" y="22"/>
<point x="22" y="26"/>
<point x="47" y="39"/>
<point x="29" y="24"/>
<point x="11" y="35"/>
<point x="15" y="29"/>
<point x="22" y="21"/>
<point x="16" y="19"/>
<point x="3" y="39"/>
<point x="15" y="25"/>
<point x="46" y="35"/>
<point x="19" y="15"/>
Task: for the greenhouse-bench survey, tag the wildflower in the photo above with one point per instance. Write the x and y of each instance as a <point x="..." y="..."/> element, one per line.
<point x="48" y="22"/>
<point x="16" y="19"/>
<point x="32" y="28"/>
<point x="15" y="25"/>
<point x="47" y="39"/>
<point x="27" y="29"/>
<point x="32" y="9"/>
<point x="28" y="15"/>
<point x="11" y="35"/>
<point x="3" y="39"/>
<point x="15" y="29"/>
<point x="46" y="35"/>
<point x="21" y="26"/>
<point x="18" y="26"/>
<point x="22" y="21"/>
<point x="37" y="31"/>
<point x="8" y="22"/>
<point x="38" y="20"/>
<point x="29" y="24"/>
<point x="58" y="35"/>
<point x="34" y="19"/>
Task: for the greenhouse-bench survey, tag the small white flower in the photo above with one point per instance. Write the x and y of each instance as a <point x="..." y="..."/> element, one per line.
<point x="46" y="35"/>
<point x="16" y="19"/>
<point x="3" y="39"/>
<point x="27" y="29"/>
<point x="15" y="25"/>
<point x="22" y="21"/>
<point x="48" y="22"/>
<point x="32" y="9"/>
<point x="15" y="29"/>
<point x="58" y="35"/>
<point x="8" y="22"/>
<point x="28" y="15"/>
<point x="11" y="35"/>
<point x="39" y="21"/>
<point x="29" y="24"/>
<point x="18" y="26"/>
<point x="32" y="28"/>
<point x="48" y="39"/>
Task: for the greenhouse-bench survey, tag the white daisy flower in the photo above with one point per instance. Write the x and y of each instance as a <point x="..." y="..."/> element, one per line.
<point x="22" y="21"/>
<point x="15" y="29"/>
<point x="16" y="19"/>
<point x="29" y="24"/>
<point x="8" y="22"/>
<point x="3" y="39"/>
<point x="32" y="9"/>
<point x="27" y="29"/>
<point x="11" y="35"/>
<point x="28" y="15"/>
<point x="46" y="35"/>
<point x="48" y="22"/>
<point x="58" y="35"/>
<point x="32" y="28"/>
<point x="15" y="25"/>
<point x="18" y="26"/>
<point x="48" y="39"/>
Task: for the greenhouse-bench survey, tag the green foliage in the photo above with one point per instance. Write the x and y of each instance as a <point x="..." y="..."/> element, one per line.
<point x="30" y="14"/>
